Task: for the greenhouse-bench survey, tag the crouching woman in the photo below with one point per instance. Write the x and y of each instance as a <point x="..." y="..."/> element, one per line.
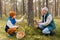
<point x="46" y="24"/>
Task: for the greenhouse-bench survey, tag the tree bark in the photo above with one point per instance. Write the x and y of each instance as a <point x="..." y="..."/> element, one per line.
<point x="30" y="13"/>
<point x="47" y="3"/>
<point x="0" y="9"/>
<point x="43" y="3"/>
<point x="13" y="5"/>
<point x="23" y="7"/>
<point x="35" y="9"/>
<point x="56" y="10"/>
<point x="39" y="7"/>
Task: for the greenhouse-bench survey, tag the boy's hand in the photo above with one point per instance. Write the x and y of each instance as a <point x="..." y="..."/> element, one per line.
<point x="17" y="27"/>
<point x="24" y="16"/>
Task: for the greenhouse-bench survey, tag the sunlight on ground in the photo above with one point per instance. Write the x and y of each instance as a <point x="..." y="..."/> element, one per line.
<point x="31" y="34"/>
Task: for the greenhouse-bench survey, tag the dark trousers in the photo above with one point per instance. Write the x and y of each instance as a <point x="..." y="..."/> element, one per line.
<point x="6" y="28"/>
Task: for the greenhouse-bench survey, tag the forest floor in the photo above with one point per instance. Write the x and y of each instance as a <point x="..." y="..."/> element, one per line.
<point x="31" y="33"/>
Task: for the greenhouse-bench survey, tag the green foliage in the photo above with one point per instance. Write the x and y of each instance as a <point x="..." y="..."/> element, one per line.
<point x="31" y="33"/>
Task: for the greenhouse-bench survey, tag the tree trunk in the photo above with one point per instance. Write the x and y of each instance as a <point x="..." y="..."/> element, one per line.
<point x="23" y="7"/>
<point x="4" y="7"/>
<point x="39" y="8"/>
<point x="56" y="10"/>
<point x="35" y="9"/>
<point x="0" y="9"/>
<point x="13" y="5"/>
<point x="16" y="7"/>
<point x="30" y="13"/>
<point x="43" y="3"/>
<point x="46" y="3"/>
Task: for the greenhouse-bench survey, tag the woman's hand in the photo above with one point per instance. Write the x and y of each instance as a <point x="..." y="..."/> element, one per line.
<point x="38" y="21"/>
<point x="35" y="24"/>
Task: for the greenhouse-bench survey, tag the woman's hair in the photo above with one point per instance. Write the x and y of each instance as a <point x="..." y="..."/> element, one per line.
<point x="45" y="8"/>
<point x="12" y="13"/>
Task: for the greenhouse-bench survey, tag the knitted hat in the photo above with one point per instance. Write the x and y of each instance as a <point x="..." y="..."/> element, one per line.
<point x="12" y="13"/>
<point x="45" y="8"/>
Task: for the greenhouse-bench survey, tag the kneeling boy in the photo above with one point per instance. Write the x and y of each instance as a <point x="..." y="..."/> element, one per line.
<point x="10" y="26"/>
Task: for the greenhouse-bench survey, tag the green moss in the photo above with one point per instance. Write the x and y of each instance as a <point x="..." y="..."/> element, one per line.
<point x="31" y="33"/>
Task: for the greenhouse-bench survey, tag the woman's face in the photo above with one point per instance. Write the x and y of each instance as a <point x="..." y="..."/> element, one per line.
<point x="44" y="12"/>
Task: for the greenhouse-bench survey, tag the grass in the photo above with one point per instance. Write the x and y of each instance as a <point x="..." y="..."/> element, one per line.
<point x="31" y="33"/>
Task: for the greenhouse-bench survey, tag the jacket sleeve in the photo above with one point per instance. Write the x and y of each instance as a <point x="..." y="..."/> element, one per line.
<point x="20" y="20"/>
<point x="10" y="25"/>
<point x="49" y="19"/>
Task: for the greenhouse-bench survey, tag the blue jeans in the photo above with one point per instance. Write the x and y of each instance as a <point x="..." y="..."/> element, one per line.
<point x="45" y="30"/>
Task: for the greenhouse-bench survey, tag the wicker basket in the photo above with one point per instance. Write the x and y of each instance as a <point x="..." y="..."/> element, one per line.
<point x="20" y="34"/>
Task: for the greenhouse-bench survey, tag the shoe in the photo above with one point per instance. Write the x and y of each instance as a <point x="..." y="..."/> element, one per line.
<point x="52" y="33"/>
<point x="10" y="35"/>
<point x="39" y="28"/>
<point x="14" y="33"/>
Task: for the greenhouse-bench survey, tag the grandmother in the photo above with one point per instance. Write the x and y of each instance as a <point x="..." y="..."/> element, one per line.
<point x="46" y="24"/>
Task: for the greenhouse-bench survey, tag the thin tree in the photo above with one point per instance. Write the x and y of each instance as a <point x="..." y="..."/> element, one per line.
<point x="0" y="9"/>
<point x="13" y="5"/>
<point x="56" y="10"/>
<point x="30" y="13"/>
<point x="43" y="1"/>
<point x="35" y="9"/>
<point x="39" y="7"/>
<point x="16" y="6"/>
<point x="23" y="7"/>
<point x="46" y="3"/>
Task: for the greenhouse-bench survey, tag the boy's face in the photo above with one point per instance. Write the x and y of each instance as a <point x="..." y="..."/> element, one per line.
<point x="14" y="16"/>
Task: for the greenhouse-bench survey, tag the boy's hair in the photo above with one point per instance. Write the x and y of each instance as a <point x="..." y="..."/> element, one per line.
<point x="12" y="13"/>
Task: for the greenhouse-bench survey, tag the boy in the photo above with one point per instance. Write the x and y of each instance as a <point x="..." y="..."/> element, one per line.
<point x="10" y="26"/>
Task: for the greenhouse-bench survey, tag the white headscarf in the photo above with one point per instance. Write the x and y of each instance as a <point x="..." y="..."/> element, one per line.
<point x="45" y="8"/>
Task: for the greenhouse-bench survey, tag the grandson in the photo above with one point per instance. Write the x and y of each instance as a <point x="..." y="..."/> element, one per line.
<point x="10" y="26"/>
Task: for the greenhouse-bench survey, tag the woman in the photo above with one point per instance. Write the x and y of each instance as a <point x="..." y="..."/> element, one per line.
<point x="47" y="24"/>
